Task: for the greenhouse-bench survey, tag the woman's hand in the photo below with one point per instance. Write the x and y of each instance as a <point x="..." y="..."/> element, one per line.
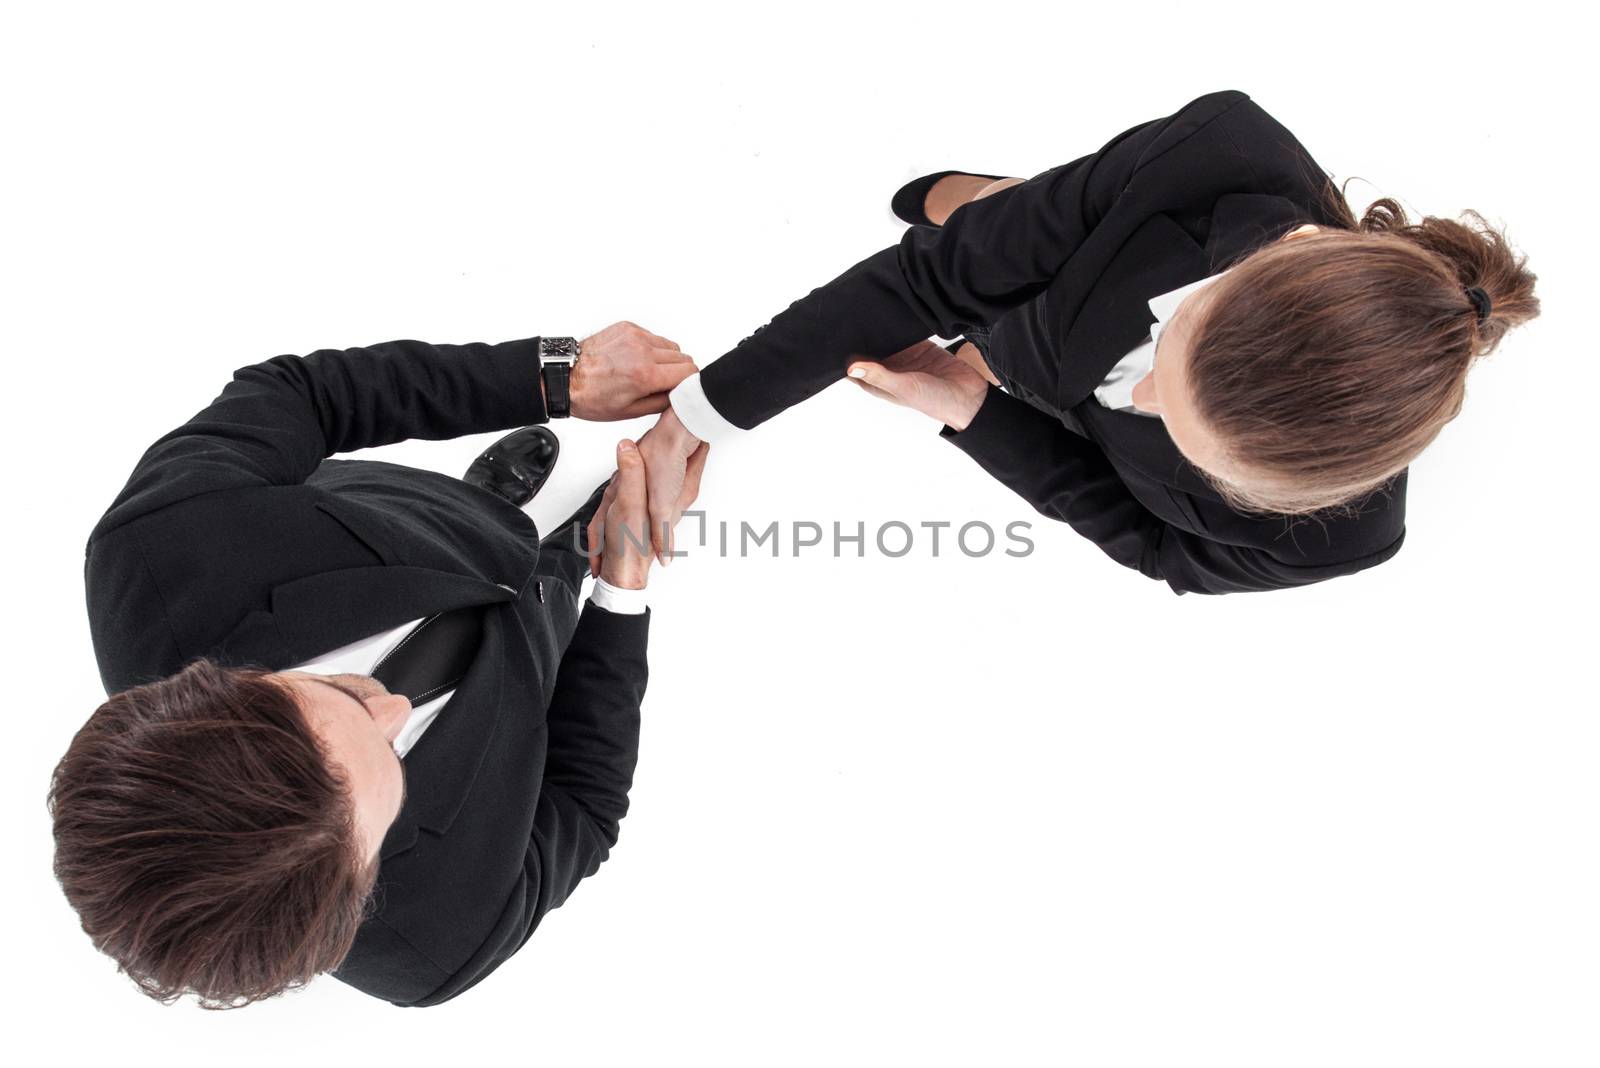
<point x="927" y="378"/>
<point x="674" y="460"/>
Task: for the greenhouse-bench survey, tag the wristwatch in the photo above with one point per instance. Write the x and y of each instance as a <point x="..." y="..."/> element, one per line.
<point x="556" y="357"/>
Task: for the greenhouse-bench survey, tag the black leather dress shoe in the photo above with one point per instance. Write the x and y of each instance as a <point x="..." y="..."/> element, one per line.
<point x="516" y="466"/>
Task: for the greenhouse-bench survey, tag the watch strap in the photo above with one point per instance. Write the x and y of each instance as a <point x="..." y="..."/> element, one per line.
<point x="557" y="379"/>
<point x="556" y="357"/>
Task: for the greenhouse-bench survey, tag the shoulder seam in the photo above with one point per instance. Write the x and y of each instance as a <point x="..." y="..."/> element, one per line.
<point x="155" y="584"/>
<point x="392" y="929"/>
<point x="1191" y="134"/>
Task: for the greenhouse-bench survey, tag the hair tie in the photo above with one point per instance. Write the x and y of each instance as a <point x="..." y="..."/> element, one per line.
<point x="1480" y="302"/>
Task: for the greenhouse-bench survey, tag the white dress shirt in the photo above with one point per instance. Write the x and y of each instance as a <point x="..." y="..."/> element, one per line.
<point x="695" y="412"/>
<point x="1116" y="389"/>
<point x="688" y="399"/>
<point x="360" y="657"/>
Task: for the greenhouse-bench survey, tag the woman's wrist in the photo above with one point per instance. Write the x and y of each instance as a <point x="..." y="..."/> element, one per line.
<point x="964" y="407"/>
<point x="678" y="438"/>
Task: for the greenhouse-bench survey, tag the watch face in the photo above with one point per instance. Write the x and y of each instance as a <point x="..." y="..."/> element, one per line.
<point x="558" y="348"/>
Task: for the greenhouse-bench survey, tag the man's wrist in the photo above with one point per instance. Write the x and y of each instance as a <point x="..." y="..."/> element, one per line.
<point x="616" y="572"/>
<point x="624" y="600"/>
<point x="577" y="394"/>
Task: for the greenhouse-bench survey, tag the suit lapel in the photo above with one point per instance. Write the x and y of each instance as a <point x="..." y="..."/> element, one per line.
<point x="1244" y="222"/>
<point x="444" y="764"/>
<point x="1115" y="316"/>
<point x="321" y="612"/>
<point x="312" y="615"/>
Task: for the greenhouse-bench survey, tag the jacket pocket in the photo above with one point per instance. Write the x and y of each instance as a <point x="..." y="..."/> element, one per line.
<point x="363" y="528"/>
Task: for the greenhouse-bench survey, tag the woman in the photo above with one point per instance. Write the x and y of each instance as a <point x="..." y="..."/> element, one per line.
<point x="1177" y="345"/>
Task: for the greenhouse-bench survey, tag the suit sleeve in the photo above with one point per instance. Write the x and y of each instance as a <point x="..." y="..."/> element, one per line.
<point x="1066" y="477"/>
<point x="593" y="748"/>
<point x="276" y="421"/>
<point x="991" y="256"/>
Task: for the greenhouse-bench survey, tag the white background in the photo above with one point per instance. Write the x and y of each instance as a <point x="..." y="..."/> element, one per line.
<point x="921" y="811"/>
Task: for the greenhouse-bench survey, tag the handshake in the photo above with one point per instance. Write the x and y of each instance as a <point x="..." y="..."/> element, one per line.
<point x="626" y="371"/>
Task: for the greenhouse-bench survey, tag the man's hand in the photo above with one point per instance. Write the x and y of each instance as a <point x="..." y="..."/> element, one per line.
<point x="927" y="378"/>
<point x="625" y="371"/>
<point x="624" y="518"/>
<point x="674" y="460"/>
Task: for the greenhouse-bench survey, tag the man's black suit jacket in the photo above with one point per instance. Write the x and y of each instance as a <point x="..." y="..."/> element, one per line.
<point x="236" y="539"/>
<point x="1052" y="279"/>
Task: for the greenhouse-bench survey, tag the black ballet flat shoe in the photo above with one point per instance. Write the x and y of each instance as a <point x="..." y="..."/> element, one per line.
<point x="516" y="467"/>
<point x="910" y="202"/>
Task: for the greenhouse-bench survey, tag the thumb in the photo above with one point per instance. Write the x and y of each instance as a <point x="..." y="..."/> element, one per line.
<point x="629" y="505"/>
<point x="878" y="377"/>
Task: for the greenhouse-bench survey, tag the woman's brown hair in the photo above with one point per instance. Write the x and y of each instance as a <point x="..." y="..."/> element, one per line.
<point x="1325" y="364"/>
<point x="205" y="840"/>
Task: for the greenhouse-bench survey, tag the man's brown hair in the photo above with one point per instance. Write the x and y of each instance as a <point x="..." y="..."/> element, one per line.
<point x="1327" y="363"/>
<point x="206" y="841"/>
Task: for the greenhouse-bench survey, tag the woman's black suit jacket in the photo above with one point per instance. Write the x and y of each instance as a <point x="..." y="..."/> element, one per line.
<point x="1052" y="278"/>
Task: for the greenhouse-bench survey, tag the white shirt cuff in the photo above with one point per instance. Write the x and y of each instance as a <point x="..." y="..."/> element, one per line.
<point x="696" y="413"/>
<point x="616" y="599"/>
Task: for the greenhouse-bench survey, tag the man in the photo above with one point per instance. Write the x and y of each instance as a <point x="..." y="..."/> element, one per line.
<point x="359" y="722"/>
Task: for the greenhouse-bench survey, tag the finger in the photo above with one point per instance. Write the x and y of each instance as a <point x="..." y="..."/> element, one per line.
<point x="626" y="529"/>
<point x="878" y="377"/>
<point x="630" y="506"/>
<point x="651" y="405"/>
<point x="597" y="526"/>
<point x="597" y="521"/>
<point x="875" y="391"/>
<point x="660" y="377"/>
<point x="671" y="356"/>
<point x="664" y="515"/>
<point x="691" y="477"/>
<point x="661" y="522"/>
<point x="900" y="358"/>
<point x="662" y="342"/>
<point x="686" y="496"/>
<point x="912" y="355"/>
